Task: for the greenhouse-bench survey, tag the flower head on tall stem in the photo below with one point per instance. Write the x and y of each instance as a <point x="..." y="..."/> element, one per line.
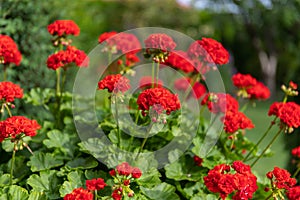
<point x="221" y="180"/>
<point x="288" y="113"/>
<point x="159" y="46"/>
<point x="9" y="52"/>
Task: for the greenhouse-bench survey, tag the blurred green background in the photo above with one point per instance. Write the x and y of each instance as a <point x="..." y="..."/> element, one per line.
<point x="262" y="37"/>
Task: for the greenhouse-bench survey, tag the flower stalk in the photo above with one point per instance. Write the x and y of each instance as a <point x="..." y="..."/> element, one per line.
<point x="267" y="147"/>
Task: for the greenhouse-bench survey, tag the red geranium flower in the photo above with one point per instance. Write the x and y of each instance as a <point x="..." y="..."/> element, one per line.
<point x="209" y="50"/>
<point x="198" y="90"/>
<point x="243" y="80"/>
<point x="95" y="184"/>
<point x="242" y="182"/>
<point x="296" y="152"/>
<point x="9" y="91"/>
<point x="114" y="83"/>
<point x="293" y="193"/>
<point x="281" y="178"/>
<point x="288" y="113"/>
<point x="259" y="91"/>
<point x="9" y="52"/>
<point x="233" y="121"/>
<point x="63" y="58"/>
<point x="182" y="83"/>
<point x="158" y="98"/>
<point x="250" y="87"/>
<point x="160" y="41"/>
<point x="180" y="60"/>
<point x="78" y="194"/>
<point x="198" y="161"/>
<point x="293" y="85"/>
<point x="220" y="102"/>
<point x="13" y="126"/>
<point x="147" y="82"/>
<point x="63" y="27"/>
<point x="106" y="35"/>
<point x="136" y="172"/>
<point x="117" y="194"/>
<point x="123" y="42"/>
<point x="124" y="169"/>
<point x="158" y="46"/>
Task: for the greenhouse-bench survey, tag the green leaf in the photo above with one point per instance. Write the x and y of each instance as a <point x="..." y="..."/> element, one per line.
<point x="40" y="183"/>
<point x="82" y="163"/>
<point x="162" y="191"/>
<point x="59" y="140"/>
<point x="4" y="180"/>
<point x="17" y="192"/>
<point x="75" y="180"/>
<point x="183" y="169"/>
<point x="149" y="178"/>
<point x="34" y="195"/>
<point x="42" y="161"/>
<point x="7" y="145"/>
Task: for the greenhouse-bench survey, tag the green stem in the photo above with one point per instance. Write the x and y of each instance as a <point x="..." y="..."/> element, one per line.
<point x="296" y="173"/>
<point x="157" y="73"/>
<point x="4" y="72"/>
<point x="8" y="110"/>
<point x="58" y="81"/>
<point x="95" y="194"/>
<point x="152" y="74"/>
<point x="267" y="147"/>
<point x="144" y="141"/>
<point x="261" y="139"/>
<point x="244" y="106"/>
<point x="194" y="79"/>
<point x="269" y="197"/>
<point x="63" y="81"/>
<point x="13" y="163"/>
<point x="117" y="120"/>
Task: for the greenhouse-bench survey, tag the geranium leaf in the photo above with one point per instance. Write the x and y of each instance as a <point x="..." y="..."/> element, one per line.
<point x="42" y="161"/>
<point x="162" y="191"/>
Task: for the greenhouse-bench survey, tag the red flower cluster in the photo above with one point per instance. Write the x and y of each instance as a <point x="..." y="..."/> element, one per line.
<point x="147" y="82"/>
<point x="9" y="91"/>
<point x="123" y="42"/>
<point x="9" y="52"/>
<point x="293" y="85"/>
<point x="243" y="80"/>
<point x="131" y="59"/>
<point x="242" y="182"/>
<point x="78" y="194"/>
<point x="210" y="50"/>
<point x="250" y="87"/>
<point x="95" y="184"/>
<point x="296" y="152"/>
<point x="128" y="173"/>
<point x="114" y="83"/>
<point x="124" y="169"/>
<point x="13" y="126"/>
<point x="160" y="99"/>
<point x="63" y="27"/>
<point x="233" y="121"/>
<point x="63" y="58"/>
<point x="182" y="83"/>
<point x="220" y="102"/>
<point x="289" y="113"/>
<point x="106" y="35"/>
<point x="198" y="90"/>
<point x="293" y="193"/>
<point x="180" y="60"/>
<point x="198" y="161"/>
<point x="159" y="41"/>
<point x="281" y="178"/>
